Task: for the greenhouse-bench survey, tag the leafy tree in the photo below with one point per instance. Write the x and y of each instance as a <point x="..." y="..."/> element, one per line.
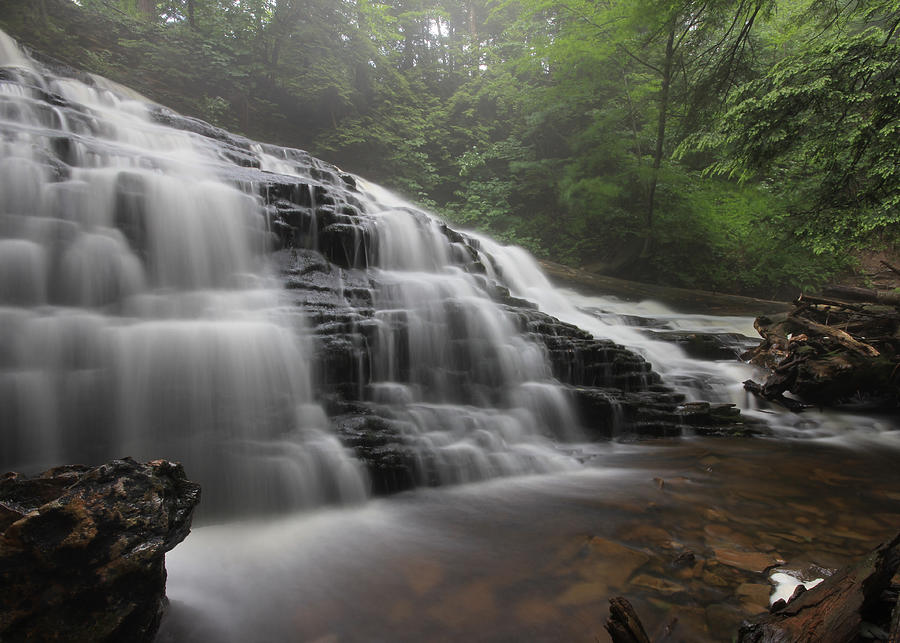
<point x="821" y="126"/>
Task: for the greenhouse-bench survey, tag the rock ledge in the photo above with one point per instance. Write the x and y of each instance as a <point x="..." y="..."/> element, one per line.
<point x="82" y="549"/>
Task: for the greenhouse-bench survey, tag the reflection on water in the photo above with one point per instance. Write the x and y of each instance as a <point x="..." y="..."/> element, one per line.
<point x="682" y="529"/>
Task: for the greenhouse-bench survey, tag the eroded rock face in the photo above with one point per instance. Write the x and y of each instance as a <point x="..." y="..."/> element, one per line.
<point x="82" y="549"/>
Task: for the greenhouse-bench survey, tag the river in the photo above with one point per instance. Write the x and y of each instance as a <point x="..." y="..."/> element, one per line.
<point x="694" y="529"/>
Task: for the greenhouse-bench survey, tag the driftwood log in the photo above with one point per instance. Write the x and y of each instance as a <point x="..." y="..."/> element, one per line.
<point x="829" y="351"/>
<point x="624" y="625"/>
<point x="835" y="610"/>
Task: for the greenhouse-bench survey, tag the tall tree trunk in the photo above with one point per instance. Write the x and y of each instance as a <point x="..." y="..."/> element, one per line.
<point x="147" y="9"/>
<point x="473" y="28"/>
<point x="190" y="12"/>
<point x="475" y="50"/>
<point x="660" y="134"/>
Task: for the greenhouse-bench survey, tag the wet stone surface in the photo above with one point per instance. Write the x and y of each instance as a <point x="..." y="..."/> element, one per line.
<point x="82" y="550"/>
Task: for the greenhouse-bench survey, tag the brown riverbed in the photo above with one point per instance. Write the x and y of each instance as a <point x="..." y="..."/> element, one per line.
<point x="535" y="559"/>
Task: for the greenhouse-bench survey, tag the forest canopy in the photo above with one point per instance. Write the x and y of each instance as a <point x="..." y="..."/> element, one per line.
<point x="748" y="145"/>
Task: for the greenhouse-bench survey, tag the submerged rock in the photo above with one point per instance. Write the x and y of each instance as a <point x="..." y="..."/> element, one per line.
<point x="82" y="549"/>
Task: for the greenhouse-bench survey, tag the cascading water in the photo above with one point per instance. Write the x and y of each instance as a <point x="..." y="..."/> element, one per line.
<point x="136" y="314"/>
<point x="140" y="317"/>
<point x="697" y="379"/>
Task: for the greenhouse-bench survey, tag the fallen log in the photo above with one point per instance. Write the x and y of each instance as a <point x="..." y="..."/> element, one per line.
<point x="775" y="394"/>
<point x="833" y="611"/>
<point x="854" y="293"/>
<point x="624" y="625"/>
<point x="838" y="335"/>
<point x="804" y="299"/>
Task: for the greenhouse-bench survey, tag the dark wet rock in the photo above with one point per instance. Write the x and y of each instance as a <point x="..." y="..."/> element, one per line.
<point x="378" y="443"/>
<point x="130" y="210"/>
<point x="345" y="244"/>
<point x="82" y="550"/>
<point x="684" y="559"/>
<point x="607" y="413"/>
<point x="624" y="625"/>
<point x="718" y="420"/>
<point x="165" y="116"/>
<point x="708" y="346"/>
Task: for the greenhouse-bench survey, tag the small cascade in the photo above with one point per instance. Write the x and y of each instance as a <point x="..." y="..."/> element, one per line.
<point x="433" y="371"/>
<point x="451" y="387"/>
<point x="137" y="313"/>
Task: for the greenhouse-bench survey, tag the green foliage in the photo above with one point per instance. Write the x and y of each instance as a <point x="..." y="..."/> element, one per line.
<point x="741" y="146"/>
<point x="822" y="125"/>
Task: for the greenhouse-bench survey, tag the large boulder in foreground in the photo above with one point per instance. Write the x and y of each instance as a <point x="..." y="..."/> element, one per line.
<point x="82" y="549"/>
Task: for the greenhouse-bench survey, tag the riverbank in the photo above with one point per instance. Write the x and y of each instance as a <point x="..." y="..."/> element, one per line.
<point x="682" y="300"/>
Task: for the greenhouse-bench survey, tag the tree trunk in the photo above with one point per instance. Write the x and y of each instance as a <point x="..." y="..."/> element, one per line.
<point x="190" y="12"/>
<point x="853" y="293"/>
<point x="624" y="625"/>
<point x="660" y="134"/>
<point x="147" y="9"/>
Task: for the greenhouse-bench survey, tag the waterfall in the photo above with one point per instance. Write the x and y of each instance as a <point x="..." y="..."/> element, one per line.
<point x="293" y="334"/>
<point x="138" y="315"/>
<point x="141" y="312"/>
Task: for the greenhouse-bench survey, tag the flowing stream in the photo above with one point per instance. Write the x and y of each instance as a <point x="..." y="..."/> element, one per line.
<point x="143" y="312"/>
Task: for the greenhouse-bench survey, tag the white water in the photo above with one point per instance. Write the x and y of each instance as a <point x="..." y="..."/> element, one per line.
<point x="141" y="320"/>
<point x="699" y="380"/>
<point x="136" y="314"/>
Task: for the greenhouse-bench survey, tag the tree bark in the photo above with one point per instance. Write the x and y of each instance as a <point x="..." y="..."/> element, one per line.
<point x="660" y="133"/>
<point x="624" y="625"/>
<point x="147" y="9"/>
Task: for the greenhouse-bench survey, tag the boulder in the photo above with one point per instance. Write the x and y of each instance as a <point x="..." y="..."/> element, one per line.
<point x="82" y="549"/>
